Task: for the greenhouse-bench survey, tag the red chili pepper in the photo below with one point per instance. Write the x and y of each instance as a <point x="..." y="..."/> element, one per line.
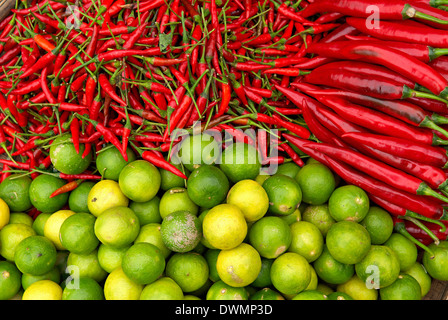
<point x="160" y="162"/>
<point x="70" y="186"/>
<point x="294" y="128"/>
<point x="109" y="89"/>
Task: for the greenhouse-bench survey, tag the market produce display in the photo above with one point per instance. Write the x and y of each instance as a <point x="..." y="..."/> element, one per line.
<point x="223" y="150"/>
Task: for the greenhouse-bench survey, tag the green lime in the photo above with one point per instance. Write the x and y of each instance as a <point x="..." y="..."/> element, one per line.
<point x="285" y="194"/>
<point x="306" y="240"/>
<point x="316" y="182"/>
<point x="104" y="195"/>
<point x="310" y="295"/>
<point x="86" y="265"/>
<point x="40" y="190"/>
<point x="240" y="266"/>
<point x="10" y="237"/>
<point x="319" y="215"/>
<point x="357" y="289"/>
<point x="264" y="276"/>
<point x="164" y="288"/>
<point x="270" y="236"/>
<point x="77" y="200"/>
<point x="83" y="289"/>
<point x="289" y="169"/>
<point x="151" y="233"/>
<point x="293" y="217"/>
<point x="110" y="162"/>
<point x="181" y="231"/>
<point x="77" y="233"/>
<point x="419" y="273"/>
<point x="222" y="291"/>
<point x="53" y="225"/>
<point x="314" y="280"/>
<point x="35" y="255"/>
<point x="379" y="224"/>
<point x="148" y="211"/>
<point x="14" y="190"/>
<point x="10" y="280"/>
<point x="404" y="288"/>
<point x="324" y="288"/>
<point x="20" y="217"/>
<point x="189" y="270"/>
<point x="211" y="256"/>
<point x="117" y="226"/>
<point x="290" y="273"/>
<point x="143" y="263"/>
<point x="110" y="257"/>
<point x="379" y="268"/>
<point x="64" y="157"/>
<point x="437" y="264"/>
<point x="43" y="290"/>
<point x="261" y="177"/>
<point x="170" y="180"/>
<point x="39" y="223"/>
<point x="177" y="199"/>
<point x="339" y="296"/>
<point x="139" y="180"/>
<point x="207" y="186"/>
<point x="224" y="226"/>
<point x="240" y="161"/>
<point x="251" y="198"/>
<point x="119" y="287"/>
<point x="405" y="249"/>
<point x="198" y="149"/>
<point x="332" y="271"/>
<point x="53" y="275"/>
<point x="348" y="202"/>
<point x="266" y="294"/>
<point x="348" y="241"/>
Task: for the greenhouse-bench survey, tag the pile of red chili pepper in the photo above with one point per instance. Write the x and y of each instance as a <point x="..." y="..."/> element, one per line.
<point x="369" y="101"/>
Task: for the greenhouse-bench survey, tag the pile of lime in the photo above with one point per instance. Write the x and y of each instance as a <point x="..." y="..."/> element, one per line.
<point x="228" y="232"/>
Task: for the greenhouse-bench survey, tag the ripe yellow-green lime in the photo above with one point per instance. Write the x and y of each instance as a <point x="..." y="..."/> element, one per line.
<point x="104" y="195"/>
<point x="40" y="191"/>
<point x="290" y="169"/>
<point x="39" y="222"/>
<point x="349" y="202"/>
<point x="306" y="240"/>
<point x="198" y="149"/>
<point x="53" y="226"/>
<point x="240" y="266"/>
<point x="317" y="183"/>
<point x="284" y="194"/>
<point x="339" y="296"/>
<point x="118" y="286"/>
<point x="77" y="233"/>
<point x="332" y="271"/>
<point x="10" y="280"/>
<point x="270" y="236"/>
<point x="170" y="180"/>
<point x="379" y="224"/>
<point x="14" y="190"/>
<point x="240" y="161"/>
<point x="64" y="157"/>
<point x="419" y="273"/>
<point x="224" y="226"/>
<point x="181" y="231"/>
<point x="21" y="217"/>
<point x="437" y="264"/>
<point x="310" y="295"/>
<point x="110" y="162"/>
<point x="404" y="287"/>
<point x="148" y="211"/>
<point x="43" y="290"/>
<point x="319" y="215"/>
<point x="177" y="199"/>
<point x="164" y="288"/>
<point x="250" y="197"/>
<point x="290" y="273"/>
<point x="77" y="200"/>
<point x="117" y="226"/>
<point x="86" y="265"/>
<point x="4" y="214"/>
<point x="150" y="233"/>
<point x="35" y="255"/>
<point x="357" y="289"/>
<point x="10" y="236"/>
<point x="110" y="257"/>
<point x="143" y="263"/>
<point x="207" y="186"/>
<point x="83" y="289"/>
<point x="189" y="270"/>
<point x="266" y="294"/>
<point x="222" y="291"/>
<point x="139" y="180"/>
<point x="53" y="275"/>
<point x="405" y="249"/>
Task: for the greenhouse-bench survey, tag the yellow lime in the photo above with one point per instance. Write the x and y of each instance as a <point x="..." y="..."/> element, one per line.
<point x="43" y="290"/>
<point x="86" y="265"/>
<point x="4" y="213"/>
<point x="419" y="273"/>
<point x="119" y="287"/>
<point x="224" y="226"/>
<point x="53" y="226"/>
<point x="20" y="217"/>
<point x="29" y="279"/>
<point x="357" y="289"/>
<point x="164" y="288"/>
<point x="10" y="236"/>
<point x="104" y="195"/>
<point x="310" y="295"/>
<point x="251" y="198"/>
